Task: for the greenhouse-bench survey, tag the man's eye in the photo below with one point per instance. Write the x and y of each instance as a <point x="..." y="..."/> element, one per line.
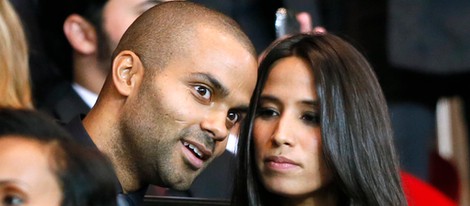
<point x="12" y="200"/>
<point x="204" y="92"/>
<point x="233" y="117"/>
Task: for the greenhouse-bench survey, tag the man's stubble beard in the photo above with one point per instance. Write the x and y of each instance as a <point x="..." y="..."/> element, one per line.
<point x="150" y="140"/>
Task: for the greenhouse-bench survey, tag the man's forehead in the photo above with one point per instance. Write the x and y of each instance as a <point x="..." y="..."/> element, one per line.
<point x="242" y="89"/>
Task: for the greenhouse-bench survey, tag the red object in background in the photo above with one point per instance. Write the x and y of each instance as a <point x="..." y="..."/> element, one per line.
<point x="444" y="176"/>
<point x="420" y="193"/>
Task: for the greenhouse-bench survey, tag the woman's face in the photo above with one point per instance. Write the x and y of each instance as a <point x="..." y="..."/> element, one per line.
<point x="287" y="133"/>
<point x="25" y="174"/>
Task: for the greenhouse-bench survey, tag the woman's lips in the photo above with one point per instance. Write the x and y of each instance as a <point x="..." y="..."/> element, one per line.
<point x="280" y="163"/>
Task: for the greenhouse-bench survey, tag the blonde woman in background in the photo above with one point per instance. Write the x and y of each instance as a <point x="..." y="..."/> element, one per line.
<point x="15" y="89"/>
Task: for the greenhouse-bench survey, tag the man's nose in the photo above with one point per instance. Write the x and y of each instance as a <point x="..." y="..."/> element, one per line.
<point x="216" y="124"/>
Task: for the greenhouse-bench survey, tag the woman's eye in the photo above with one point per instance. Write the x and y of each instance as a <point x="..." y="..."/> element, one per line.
<point x="311" y="118"/>
<point x="266" y="112"/>
<point x="203" y="91"/>
<point x="12" y="200"/>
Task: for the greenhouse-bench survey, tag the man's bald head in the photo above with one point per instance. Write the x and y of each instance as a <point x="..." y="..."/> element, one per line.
<point x="166" y="30"/>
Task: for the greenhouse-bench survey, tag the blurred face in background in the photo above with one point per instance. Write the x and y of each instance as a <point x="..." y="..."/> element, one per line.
<point x="118" y="15"/>
<point x="26" y="177"/>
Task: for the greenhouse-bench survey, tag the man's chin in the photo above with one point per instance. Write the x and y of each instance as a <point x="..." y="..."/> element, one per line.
<point x="184" y="183"/>
<point x="182" y="186"/>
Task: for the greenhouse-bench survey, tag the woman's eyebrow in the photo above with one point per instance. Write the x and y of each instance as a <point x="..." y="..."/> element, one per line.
<point x="270" y="98"/>
<point x="313" y="103"/>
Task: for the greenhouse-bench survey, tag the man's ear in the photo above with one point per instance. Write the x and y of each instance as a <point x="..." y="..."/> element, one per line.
<point x="127" y="72"/>
<point x="81" y="34"/>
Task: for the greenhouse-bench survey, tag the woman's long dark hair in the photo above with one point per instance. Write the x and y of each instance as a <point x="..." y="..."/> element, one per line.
<point x="356" y="132"/>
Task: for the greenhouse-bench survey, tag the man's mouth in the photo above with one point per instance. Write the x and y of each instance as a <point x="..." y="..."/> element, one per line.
<point x="194" y="149"/>
<point x="196" y="153"/>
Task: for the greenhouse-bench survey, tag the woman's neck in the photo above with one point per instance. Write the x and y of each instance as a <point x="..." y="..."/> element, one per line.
<point x="323" y="197"/>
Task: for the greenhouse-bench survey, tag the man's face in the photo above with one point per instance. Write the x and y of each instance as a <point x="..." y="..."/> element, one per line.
<point x="181" y="117"/>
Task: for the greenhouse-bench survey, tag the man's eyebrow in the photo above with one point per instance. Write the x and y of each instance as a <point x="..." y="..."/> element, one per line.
<point x="218" y="86"/>
<point x="242" y="108"/>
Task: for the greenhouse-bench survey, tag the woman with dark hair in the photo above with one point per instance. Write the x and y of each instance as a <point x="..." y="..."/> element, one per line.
<point x="41" y="165"/>
<point x="318" y="130"/>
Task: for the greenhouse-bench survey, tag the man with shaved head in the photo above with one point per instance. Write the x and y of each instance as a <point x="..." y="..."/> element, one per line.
<point x="180" y="83"/>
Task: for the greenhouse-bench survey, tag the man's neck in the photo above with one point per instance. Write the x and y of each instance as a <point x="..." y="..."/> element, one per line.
<point x="103" y="128"/>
